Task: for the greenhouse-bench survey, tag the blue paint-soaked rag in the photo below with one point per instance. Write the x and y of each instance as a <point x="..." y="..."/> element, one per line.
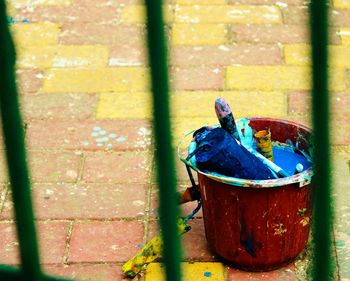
<point x="217" y="151"/>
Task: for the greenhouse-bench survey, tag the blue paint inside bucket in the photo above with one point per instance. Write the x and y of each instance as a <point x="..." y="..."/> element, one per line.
<point x="288" y="159"/>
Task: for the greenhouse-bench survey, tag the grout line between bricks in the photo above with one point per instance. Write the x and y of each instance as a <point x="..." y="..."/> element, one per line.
<point x="81" y="168"/>
<point x="68" y="239"/>
<point x="149" y="200"/>
<point x="91" y="151"/>
<point x="283" y="16"/>
<point x="84" y="263"/>
<point x="3" y="197"/>
<point x="6" y="220"/>
<point x="98" y="100"/>
<point x="147" y="214"/>
<point x="281" y="47"/>
<point x="109" y="49"/>
<point x="286" y="103"/>
<point x="226" y="269"/>
<point x="224" y="79"/>
<point x="347" y="78"/>
<point x="337" y="266"/>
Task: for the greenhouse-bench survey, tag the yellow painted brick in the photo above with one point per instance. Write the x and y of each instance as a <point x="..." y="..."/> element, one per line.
<point x="35" y="57"/>
<point x="10" y="9"/>
<point x="297" y="54"/>
<point x="191" y="271"/>
<point x="139" y="105"/>
<point x="201" y="2"/>
<point x="198" y="34"/>
<point x="137" y="14"/>
<point x="62" y="56"/>
<point x="279" y="78"/>
<point x="124" y="106"/>
<point x="341" y="4"/>
<point x="344" y="34"/>
<point x="339" y="56"/>
<point x="81" y="56"/>
<point x="123" y="79"/>
<point x="35" y="34"/>
<point x="244" y="104"/>
<point x="300" y="54"/>
<point x="31" y="3"/>
<point x="228" y="14"/>
<point x="182" y="126"/>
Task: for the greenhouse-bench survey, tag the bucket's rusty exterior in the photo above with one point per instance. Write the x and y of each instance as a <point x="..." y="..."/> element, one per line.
<point x="254" y="227"/>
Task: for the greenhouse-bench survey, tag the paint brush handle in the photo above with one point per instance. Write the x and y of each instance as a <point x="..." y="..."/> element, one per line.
<point x="225" y="116"/>
<point x="227" y="122"/>
<point x="150" y="252"/>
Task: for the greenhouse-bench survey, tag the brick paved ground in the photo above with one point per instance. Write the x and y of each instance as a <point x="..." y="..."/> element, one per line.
<point x="84" y="85"/>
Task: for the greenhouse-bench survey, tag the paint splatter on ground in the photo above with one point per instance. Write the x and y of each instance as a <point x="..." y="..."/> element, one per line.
<point x="11" y="20"/>
<point x="144" y="138"/>
<point x="103" y="138"/>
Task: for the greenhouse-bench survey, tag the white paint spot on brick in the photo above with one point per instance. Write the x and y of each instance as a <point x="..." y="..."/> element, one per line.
<point x="138" y="203"/>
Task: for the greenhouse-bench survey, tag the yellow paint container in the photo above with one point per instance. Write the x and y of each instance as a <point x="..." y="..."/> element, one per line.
<point x="263" y="140"/>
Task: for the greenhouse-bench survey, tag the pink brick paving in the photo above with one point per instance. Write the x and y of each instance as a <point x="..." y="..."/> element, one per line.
<point x="91" y="163"/>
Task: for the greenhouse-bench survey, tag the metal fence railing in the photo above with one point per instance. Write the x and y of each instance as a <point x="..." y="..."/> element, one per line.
<point x="16" y="156"/>
<point x="322" y="215"/>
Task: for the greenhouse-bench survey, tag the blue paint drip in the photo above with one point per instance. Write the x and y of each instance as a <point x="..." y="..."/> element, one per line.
<point x="121" y="139"/>
<point x="103" y="139"/>
<point x="249" y="246"/>
<point x="247" y="240"/>
<point x="207" y="274"/>
<point x="11" y="20"/>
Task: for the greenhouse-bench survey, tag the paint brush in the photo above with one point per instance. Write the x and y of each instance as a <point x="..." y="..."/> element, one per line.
<point x="227" y="122"/>
<point x="225" y="116"/>
<point x="150" y="252"/>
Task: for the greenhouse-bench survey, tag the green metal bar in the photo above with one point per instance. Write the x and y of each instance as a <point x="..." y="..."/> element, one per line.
<point x="15" y="153"/>
<point x="164" y="153"/>
<point x="322" y="218"/>
<point x="13" y="274"/>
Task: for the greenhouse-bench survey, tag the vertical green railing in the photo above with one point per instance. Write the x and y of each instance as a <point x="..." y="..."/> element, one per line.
<point x="164" y="152"/>
<point x="322" y="216"/>
<point x="15" y="152"/>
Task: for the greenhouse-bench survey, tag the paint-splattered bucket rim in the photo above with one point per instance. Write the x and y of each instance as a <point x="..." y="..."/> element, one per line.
<point x="303" y="178"/>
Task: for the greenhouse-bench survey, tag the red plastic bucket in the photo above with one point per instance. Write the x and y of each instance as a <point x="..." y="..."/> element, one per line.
<point x="259" y="225"/>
